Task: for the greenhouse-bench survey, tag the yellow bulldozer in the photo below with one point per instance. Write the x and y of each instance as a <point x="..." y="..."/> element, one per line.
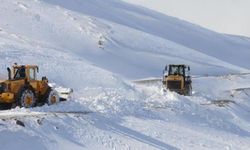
<point x="22" y="88"/>
<point x="176" y="77"/>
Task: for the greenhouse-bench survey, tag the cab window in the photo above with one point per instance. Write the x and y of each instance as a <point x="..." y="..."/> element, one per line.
<point x="20" y="73"/>
<point x="32" y="73"/>
<point x="176" y="70"/>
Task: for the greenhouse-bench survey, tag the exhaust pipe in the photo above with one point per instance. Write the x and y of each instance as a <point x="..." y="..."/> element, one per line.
<point x="9" y="73"/>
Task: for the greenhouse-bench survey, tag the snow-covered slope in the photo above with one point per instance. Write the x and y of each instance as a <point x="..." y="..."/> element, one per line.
<point x="94" y="46"/>
<point x="79" y="27"/>
<point x="224" y="16"/>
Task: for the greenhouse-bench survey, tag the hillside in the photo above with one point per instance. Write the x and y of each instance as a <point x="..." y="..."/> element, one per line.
<point x="77" y="27"/>
<point x="223" y="16"/>
<point x="98" y="48"/>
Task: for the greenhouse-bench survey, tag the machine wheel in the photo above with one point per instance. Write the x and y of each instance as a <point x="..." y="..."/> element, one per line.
<point x="27" y="97"/>
<point x="188" y="90"/>
<point x="5" y="106"/>
<point x="52" y="97"/>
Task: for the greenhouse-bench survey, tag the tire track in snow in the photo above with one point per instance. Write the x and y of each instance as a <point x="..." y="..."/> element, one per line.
<point x="6" y="115"/>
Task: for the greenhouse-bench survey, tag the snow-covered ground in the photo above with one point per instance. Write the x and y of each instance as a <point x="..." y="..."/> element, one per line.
<point x="97" y="48"/>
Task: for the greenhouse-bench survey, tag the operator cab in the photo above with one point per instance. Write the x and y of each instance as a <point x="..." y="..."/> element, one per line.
<point x="180" y="70"/>
<point x="23" y="72"/>
<point x="176" y="70"/>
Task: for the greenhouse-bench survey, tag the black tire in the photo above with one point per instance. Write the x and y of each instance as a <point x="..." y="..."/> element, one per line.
<point x="51" y="97"/>
<point x="26" y="97"/>
<point x="188" y="90"/>
<point x="5" y="106"/>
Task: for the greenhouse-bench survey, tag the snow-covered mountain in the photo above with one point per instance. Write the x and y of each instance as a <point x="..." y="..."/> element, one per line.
<point x="223" y="16"/>
<point x="96" y="47"/>
<point x="77" y="27"/>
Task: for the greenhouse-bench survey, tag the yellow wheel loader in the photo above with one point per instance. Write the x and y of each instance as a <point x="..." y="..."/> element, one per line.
<point x="22" y="88"/>
<point x="177" y="78"/>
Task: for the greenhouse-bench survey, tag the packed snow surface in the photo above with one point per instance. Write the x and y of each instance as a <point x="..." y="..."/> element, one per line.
<point x="98" y="48"/>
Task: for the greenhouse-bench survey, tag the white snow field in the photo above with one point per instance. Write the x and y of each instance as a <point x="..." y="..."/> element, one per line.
<point x="98" y="48"/>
